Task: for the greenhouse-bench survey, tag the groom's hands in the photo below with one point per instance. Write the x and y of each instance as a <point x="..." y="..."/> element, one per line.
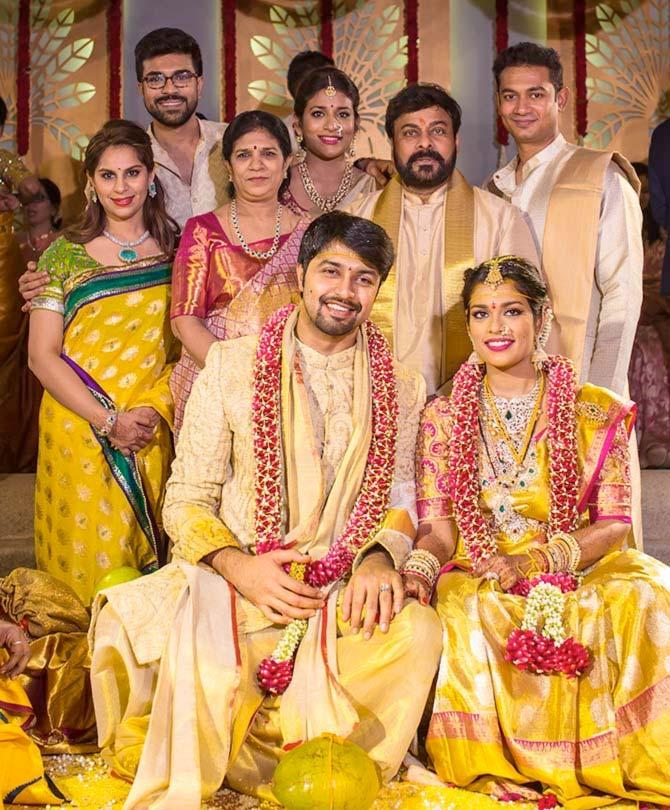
<point x="375" y="590"/>
<point x="263" y="581"/>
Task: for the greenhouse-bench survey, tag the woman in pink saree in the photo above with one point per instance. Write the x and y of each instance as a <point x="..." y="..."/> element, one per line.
<point x="236" y="265"/>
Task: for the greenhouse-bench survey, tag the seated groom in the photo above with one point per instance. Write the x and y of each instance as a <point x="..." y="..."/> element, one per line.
<point x="291" y="507"/>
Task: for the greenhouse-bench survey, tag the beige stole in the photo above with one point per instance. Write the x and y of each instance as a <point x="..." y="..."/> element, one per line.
<point x="569" y="244"/>
<point x="458" y="245"/>
<point x="314" y="702"/>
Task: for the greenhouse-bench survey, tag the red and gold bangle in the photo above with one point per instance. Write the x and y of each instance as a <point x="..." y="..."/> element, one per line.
<point x="422" y="564"/>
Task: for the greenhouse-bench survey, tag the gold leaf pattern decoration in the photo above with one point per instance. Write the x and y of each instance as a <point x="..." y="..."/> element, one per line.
<point x="55" y="59"/>
<point x="371" y="48"/>
<point x="368" y="45"/>
<point x="628" y="79"/>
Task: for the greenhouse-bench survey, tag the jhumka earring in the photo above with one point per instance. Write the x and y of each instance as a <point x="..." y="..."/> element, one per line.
<point x="351" y="151"/>
<point x="300" y="153"/>
<point x="474" y="359"/>
<point x="89" y="193"/>
<point x="539" y="356"/>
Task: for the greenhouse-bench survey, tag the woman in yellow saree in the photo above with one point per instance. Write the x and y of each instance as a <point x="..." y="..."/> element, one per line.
<point x="555" y="673"/>
<point x="101" y="344"/>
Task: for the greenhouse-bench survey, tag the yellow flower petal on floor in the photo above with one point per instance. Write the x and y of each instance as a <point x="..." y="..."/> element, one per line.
<point x="86" y="781"/>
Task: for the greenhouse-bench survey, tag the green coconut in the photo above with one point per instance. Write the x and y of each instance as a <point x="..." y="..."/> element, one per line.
<point x="326" y="773"/>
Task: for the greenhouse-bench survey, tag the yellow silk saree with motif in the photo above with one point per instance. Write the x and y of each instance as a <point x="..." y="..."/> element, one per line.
<point x="95" y="509"/>
<point x="496" y="729"/>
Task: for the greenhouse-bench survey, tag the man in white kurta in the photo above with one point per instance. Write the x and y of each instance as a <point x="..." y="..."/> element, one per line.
<point x="176" y="654"/>
<point x="585" y="215"/>
<point x="440" y="226"/>
<point x="597" y="222"/>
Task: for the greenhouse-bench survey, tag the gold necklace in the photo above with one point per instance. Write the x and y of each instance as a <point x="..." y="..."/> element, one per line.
<point x="326" y="204"/>
<point x="520" y="454"/>
<point x="255" y="254"/>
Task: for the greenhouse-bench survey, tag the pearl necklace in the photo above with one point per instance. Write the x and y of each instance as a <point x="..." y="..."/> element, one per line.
<point x="326" y="204"/>
<point x="127" y="254"/>
<point x="255" y="254"/>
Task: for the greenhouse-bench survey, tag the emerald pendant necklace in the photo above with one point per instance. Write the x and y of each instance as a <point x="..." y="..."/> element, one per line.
<point x="127" y="254"/>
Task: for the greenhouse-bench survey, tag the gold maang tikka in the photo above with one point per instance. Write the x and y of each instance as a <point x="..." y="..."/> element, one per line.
<point x="330" y="90"/>
<point x="494" y="277"/>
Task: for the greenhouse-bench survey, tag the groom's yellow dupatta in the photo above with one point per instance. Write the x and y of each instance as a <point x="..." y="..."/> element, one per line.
<point x="458" y="239"/>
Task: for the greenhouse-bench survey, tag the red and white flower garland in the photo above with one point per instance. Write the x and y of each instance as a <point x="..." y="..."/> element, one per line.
<point x="540" y="645"/>
<point x="275" y="672"/>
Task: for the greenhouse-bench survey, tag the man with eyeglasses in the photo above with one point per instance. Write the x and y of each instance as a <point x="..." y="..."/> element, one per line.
<point x="187" y="149"/>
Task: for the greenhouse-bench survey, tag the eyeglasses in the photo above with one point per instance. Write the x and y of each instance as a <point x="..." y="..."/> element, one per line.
<point x="180" y="78"/>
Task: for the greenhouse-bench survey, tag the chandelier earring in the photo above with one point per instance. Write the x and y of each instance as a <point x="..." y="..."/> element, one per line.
<point x="540" y="356"/>
<point x="300" y="153"/>
<point x="89" y="193"/>
<point x="475" y="358"/>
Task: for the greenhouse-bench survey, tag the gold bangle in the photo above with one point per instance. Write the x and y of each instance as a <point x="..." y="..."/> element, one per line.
<point x="568" y="551"/>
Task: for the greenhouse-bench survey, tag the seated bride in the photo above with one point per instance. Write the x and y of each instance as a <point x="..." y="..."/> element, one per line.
<point x="555" y="671"/>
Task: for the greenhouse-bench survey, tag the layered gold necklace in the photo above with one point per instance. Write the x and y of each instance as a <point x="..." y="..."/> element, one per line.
<point x="326" y="204"/>
<point x="516" y="418"/>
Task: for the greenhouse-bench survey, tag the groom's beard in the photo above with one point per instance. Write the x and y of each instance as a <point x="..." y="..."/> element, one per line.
<point x="336" y="326"/>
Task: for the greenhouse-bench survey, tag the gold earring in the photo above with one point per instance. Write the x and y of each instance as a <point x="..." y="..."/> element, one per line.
<point x="300" y="153"/>
<point x="539" y="355"/>
<point x="351" y="151"/>
<point x="475" y="358"/>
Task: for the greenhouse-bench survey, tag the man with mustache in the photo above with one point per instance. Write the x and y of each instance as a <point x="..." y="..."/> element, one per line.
<point x="187" y="149"/>
<point x="291" y="503"/>
<point x="584" y="212"/>
<point x="440" y="225"/>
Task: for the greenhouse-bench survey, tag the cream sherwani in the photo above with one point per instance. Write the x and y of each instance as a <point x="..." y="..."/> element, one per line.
<point x="175" y="653"/>
<point x="617" y="275"/>
<point x="420" y="318"/>
<point x="208" y="187"/>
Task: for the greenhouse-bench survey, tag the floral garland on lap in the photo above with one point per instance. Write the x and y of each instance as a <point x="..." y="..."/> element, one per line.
<point x="275" y="672"/>
<point x="540" y="644"/>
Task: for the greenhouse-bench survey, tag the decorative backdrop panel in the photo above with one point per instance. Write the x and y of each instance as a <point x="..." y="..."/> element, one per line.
<point x="626" y="74"/>
<point x="53" y="73"/>
<point x="368" y="39"/>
